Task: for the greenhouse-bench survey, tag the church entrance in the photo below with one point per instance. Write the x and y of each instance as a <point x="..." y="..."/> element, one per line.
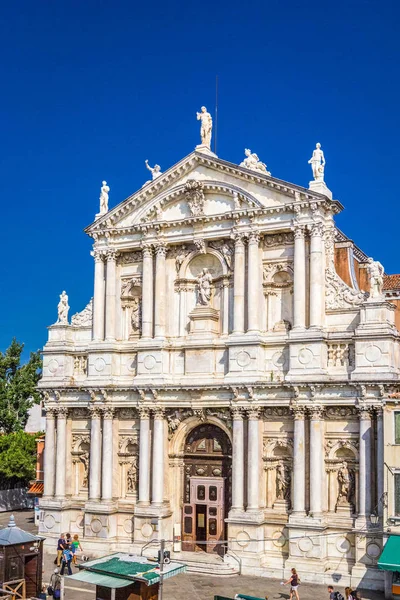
<point x="207" y="488"/>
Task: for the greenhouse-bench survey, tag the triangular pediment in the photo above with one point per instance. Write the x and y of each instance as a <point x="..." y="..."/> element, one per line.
<point x="201" y="185"/>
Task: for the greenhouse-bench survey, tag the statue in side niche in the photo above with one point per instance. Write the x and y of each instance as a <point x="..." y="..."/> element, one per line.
<point x="206" y="126"/>
<point x="346" y="483"/>
<point x="317" y="162"/>
<point x="131" y="476"/>
<point x="104" y="198"/>
<point x="375" y="272"/>
<point x="135" y="315"/>
<point x="63" y="308"/>
<point x="204" y="281"/>
<point x="283" y="481"/>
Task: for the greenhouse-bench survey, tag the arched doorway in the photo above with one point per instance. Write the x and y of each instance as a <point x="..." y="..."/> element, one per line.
<point x="206" y="489"/>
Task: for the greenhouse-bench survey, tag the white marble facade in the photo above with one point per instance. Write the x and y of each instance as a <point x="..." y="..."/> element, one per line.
<point x="282" y="356"/>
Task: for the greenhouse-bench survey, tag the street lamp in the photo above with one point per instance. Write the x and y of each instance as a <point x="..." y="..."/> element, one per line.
<point x="374" y="519"/>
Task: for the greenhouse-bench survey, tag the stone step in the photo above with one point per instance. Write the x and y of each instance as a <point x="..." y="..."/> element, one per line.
<point x="203" y="567"/>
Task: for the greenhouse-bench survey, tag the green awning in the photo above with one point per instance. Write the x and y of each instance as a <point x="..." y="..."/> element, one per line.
<point x="390" y="558"/>
<point x="98" y="579"/>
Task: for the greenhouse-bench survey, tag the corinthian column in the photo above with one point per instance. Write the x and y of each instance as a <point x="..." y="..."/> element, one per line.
<point x="379" y="459"/>
<point x="158" y="458"/>
<point x="299" y="461"/>
<point x="98" y="298"/>
<point x="49" y="454"/>
<point x="316" y="460"/>
<point x="364" y="465"/>
<point x="237" y="460"/>
<point x="253" y="282"/>
<point x="299" y="278"/>
<point x="147" y="292"/>
<point x="107" y="463"/>
<point x="61" y="453"/>
<point x="253" y="460"/>
<point x="316" y="276"/>
<point x="144" y="457"/>
<point x="238" y="286"/>
<point x="160" y="299"/>
<point x="95" y="454"/>
<point x="110" y="295"/>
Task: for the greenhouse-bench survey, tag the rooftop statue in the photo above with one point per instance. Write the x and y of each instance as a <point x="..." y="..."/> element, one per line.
<point x="104" y="198"/>
<point x="375" y="272"/>
<point x="63" y="308"/>
<point x="206" y="126"/>
<point x="254" y="163"/>
<point x="317" y="162"/>
<point x="155" y="171"/>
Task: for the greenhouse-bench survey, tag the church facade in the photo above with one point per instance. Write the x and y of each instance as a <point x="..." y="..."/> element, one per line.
<point x="227" y="383"/>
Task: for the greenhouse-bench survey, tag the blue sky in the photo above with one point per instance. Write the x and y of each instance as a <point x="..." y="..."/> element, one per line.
<point x="92" y="89"/>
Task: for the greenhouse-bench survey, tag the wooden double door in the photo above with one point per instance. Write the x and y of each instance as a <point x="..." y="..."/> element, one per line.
<point x="203" y="516"/>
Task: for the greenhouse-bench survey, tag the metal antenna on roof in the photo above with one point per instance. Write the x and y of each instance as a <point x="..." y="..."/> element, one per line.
<point x="216" y="114"/>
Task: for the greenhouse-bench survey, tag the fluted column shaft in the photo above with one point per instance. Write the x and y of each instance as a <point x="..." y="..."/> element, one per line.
<point x="364" y="465"/>
<point x="299" y="461"/>
<point x="158" y="459"/>
<point x="237" y="460"/>
<point x="253" y="461"/>
<point x="299" y="278"/>
<point x="144" y="457"/>
<point x="253" y="282"/>
<point x="316" y="276"/>
<point x="380" y="467"/>
<point x="147" y="293"/>
<point x="49" y="454"/>
<point x="111" y="295"/>
<point x="238" y="286"/>
<point x="316" y="460"/>
<point x="160" y="295"/>
<point x="107" y="462"/>
<point x="95" y="455"/>
<point x="99" y="296"/>
<point x="61" y="451"/>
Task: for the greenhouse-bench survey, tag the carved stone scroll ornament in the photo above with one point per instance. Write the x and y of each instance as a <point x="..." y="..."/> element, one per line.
<point x="194" y="194"/>
<point x="278" y="239"/>
<point x="128" y="258"/>
<point x="337" y="293"/>
<point x="83" y="318"/>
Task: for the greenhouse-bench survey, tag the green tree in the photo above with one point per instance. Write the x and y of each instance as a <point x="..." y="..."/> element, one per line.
<point x="17" y="387"/>
<point x="17" y="457"/>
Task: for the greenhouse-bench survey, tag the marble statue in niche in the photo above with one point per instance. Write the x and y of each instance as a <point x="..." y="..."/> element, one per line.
<point x="84" y="458"/>
<point x="135" y="315"/>
<point x="131" y="476"/>
<point x="283" y="481"/>
<point x="317" y="162"/>
<point x="204" y="281"/>
<point x="346" y="481"/>
<point x="206" y="126"/>
<point x="63" y="308"/>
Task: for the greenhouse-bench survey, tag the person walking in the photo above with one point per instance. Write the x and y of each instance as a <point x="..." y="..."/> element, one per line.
<point x="55" y="584"/>
<point x="75" y="546"/>
<point x="66" y="560"/>
<point x="294" y="581"/>
<point x="349" y="594"/>
<point x="60" y="549"/>
<point x="335" y="595"/>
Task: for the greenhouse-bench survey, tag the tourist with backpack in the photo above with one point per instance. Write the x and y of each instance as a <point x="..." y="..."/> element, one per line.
<point x="334" y="595"/>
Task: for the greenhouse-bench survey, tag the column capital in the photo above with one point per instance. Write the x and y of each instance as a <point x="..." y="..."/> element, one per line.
<point x="161" y="249"/>
<point x="316" y="229"/>
<point x="98" y="255"/>
<point x="379" y="411"/>
<point x="108" y="413"/>
<point x="61" y="412"/>
<point x="158" y="413"/>
<point x="239" y="239"/>
<point x="237" y="413"/>
<point x="298" y="412"/>
<point x="147" y="250"/>
<point x="253" y="413"/>
<point x="298" y="231"/>
<point x="111" y="254"/>
<point x="254" y="237"/>
<point x="365" y="411"/>
<point x="95" y="412"/>
<point x="144" y="413"/>
<point x="316" y="412"/>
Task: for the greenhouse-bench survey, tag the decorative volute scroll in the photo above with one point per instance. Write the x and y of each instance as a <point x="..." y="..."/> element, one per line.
<point x="194" y="194"/>
<point x="83" y="318"/>
<point x="337" y="293"/>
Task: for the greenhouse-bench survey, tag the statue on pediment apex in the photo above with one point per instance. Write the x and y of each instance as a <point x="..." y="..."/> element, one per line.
<point x="206" y="126"/>
<point x="375" y="272"/>
<point x="104" y="198"/>
<point x="317" y="162"/>
<point x="155" y="171"/>
<point x="253" y="162"/>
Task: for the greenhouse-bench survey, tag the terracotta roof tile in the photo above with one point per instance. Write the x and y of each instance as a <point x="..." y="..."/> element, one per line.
<point x="391" y="282"/>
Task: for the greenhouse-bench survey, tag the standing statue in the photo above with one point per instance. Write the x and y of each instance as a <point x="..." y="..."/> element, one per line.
<point x="155" y="171"/>
<point x="375" y="272"/>
<point x="283" y="481"/>
<point x="206" y="126"/>
<point x="317" y="162"/>
<point x="346" y="486"/>
<point x="135" y="316"/>
<point x="131" y="476"/>
<point x="63" y="308"/>
<point x="253" y="162"/>
<point x="104" y="198"/>
<point x="204" y="293"/>
<point x="84" y="457"/>
<point x="180" y="257"/>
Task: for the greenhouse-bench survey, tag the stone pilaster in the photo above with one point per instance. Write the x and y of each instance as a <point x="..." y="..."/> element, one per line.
<point x="299" y="278"/>
<point x="238" y="285"/>
<point x="316" y="276"/>
<point x="237" y="460"/>
<point x="147" y="293"/>
<point x="253" y="283"/>
<point x="95" y="455"/>
<point x="107" y="462"/>
<point x="99" y="296"/>
<point x="49" y="454"/>
<point x="160" y="294"/>
<point x="144" y="457"/>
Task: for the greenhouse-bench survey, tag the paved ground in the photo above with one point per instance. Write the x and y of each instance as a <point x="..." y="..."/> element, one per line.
<point x="191" y="586"/>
